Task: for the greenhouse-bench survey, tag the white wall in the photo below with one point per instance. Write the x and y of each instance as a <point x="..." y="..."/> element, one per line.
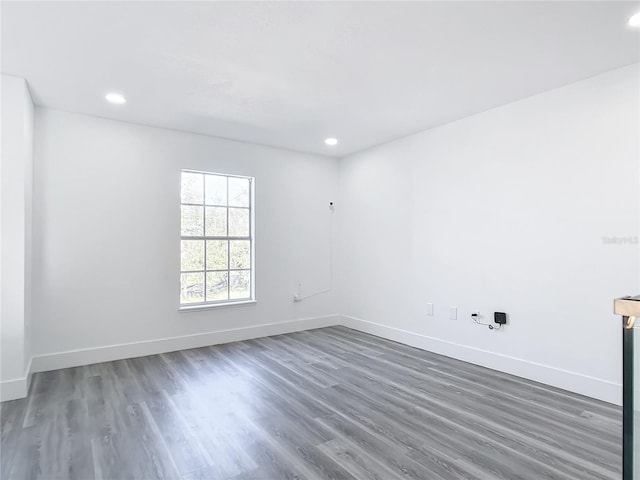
<point x="503" y="211"/>
<point x="16" y="170"/>
<point x="107" y="231"/>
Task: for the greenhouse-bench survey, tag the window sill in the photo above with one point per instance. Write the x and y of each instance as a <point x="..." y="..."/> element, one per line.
<point x="196" y="308"/>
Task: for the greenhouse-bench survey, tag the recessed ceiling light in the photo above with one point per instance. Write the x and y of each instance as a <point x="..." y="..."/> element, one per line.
<point x="331" y="141"/>
<point x="635" y="21"/>
<point x="115" y="98"/>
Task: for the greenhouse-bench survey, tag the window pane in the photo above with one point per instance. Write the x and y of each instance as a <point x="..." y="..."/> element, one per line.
<point x="216" y="221"/>
<point x="239" y="254"/>
<point x="238" y="222"/>
<point x="192" y="187"/>
<point x="215" y="205"/>
<point x="192" y="255"/>
<point x="191" y="287"/>
<point x="239" y="284"/>
<point x="238" y="192"/>
<point x="215" y="190"/>
<point x="217" y="286"/>
<point x="217" y="258"/>
<point x="192" y="220"/>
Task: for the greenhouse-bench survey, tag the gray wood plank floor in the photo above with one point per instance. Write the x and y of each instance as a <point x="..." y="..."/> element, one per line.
<point x="330" y="403"/>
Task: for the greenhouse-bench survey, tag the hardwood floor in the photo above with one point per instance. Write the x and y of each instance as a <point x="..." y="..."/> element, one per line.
<point x="331" y="403"/>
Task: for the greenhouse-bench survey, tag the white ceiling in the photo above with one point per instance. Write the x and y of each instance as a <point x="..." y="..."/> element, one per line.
<point x="290" y="74"/>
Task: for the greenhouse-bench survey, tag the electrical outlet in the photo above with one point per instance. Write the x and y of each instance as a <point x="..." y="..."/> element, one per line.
<point x="297" y="296"/>
<point x="453" y="313"/>
<point x="430" y="309"/>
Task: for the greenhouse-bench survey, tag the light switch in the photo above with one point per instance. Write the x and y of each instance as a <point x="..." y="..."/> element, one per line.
<point x="430" y="309"/>
<point x="453" y="313"/>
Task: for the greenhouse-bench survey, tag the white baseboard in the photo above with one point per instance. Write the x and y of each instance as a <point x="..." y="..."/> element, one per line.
<point x="88" y="356"/>
<point x="16" y="388"/>
<point x="575" y="382"/>
<point x="572" y="381"/>
<point x="13" y="389"/>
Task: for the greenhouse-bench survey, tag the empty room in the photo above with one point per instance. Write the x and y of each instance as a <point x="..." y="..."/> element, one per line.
<point x="320" y="240"/>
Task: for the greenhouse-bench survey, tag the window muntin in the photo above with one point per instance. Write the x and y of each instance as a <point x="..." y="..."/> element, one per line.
<point x="216" y="245"/>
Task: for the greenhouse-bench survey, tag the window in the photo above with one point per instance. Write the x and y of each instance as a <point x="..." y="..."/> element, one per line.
<point x="216" y="245"/>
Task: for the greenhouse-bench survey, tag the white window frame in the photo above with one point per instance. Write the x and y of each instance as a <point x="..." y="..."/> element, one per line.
<point x="204" y="237"/>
